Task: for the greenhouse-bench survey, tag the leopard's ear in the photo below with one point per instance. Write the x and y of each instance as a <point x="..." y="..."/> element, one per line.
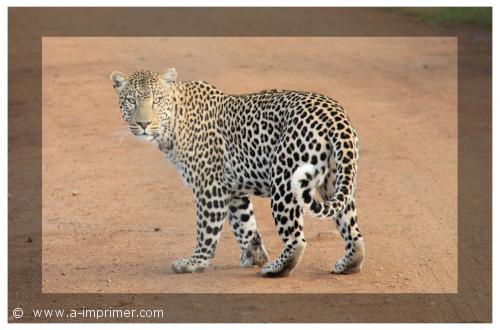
<point x="169" y="76"/>
<point x="119" y="79"/>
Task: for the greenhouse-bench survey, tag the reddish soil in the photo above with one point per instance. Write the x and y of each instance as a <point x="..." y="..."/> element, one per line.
<point x="115" y="213"/>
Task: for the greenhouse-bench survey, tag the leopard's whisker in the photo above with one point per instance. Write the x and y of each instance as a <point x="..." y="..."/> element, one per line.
<point x="121" y="134"/>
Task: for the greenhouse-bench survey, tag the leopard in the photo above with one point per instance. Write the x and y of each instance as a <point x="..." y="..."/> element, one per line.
<point x="296" y="148"/>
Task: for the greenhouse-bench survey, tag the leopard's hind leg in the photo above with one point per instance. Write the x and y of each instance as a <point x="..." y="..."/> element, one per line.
<point x="289" y="221"/>
<point x="288" y="218"/>
<point x="354" y="254"/>
<point x="347" y="225"/>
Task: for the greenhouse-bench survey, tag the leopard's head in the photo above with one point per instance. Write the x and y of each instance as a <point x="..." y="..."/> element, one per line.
<point x="145" y="100"/>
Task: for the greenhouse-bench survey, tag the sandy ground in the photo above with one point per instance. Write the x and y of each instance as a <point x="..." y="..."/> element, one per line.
<point x="115" y="213"/>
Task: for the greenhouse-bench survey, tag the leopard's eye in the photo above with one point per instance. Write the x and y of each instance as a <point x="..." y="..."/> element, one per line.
<point x="156" y="100"/>
<point x="131" y="100"/>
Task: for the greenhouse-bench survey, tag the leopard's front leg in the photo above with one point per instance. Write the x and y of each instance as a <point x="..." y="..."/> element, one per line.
<point x="242" y="222"/>
<point x="211" y="210"/>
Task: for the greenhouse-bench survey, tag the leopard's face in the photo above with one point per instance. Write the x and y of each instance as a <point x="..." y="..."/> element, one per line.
<point x="145" y="101"/>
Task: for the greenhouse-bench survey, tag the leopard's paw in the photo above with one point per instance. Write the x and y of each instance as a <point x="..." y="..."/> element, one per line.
<point x="254" y="254"/>
<point x="189" y="265"/>
<point x="352" y="261"/>
<point x="275" y="268"/>
<point x="284" y="265"/>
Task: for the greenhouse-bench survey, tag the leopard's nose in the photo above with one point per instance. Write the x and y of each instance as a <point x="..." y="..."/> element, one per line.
<point x="143" y="124"/>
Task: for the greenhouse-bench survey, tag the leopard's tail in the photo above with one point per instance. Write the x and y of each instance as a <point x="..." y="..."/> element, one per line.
<point x="307" y="179"/>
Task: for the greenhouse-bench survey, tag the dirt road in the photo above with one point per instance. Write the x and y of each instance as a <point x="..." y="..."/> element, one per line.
<point x="115" y="214"/>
